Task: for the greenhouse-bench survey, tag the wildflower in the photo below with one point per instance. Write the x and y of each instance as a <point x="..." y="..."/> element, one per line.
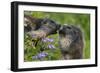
<point x="50" y="40"/>
<point x="44" y="40"/>
<point x="47" y="40"/>
<point x="51" y="46"/>
<point x="40" y="55"/>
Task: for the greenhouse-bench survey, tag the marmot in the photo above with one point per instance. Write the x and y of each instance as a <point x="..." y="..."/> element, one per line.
<point x="71" y="42"/>
<point x="40" y="27"/>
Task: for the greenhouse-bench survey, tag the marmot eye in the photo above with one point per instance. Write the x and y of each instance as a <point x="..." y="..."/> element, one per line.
<point x="68" y="27"/>
<point x="44" y="22"/>
<point x="52" y="21"/>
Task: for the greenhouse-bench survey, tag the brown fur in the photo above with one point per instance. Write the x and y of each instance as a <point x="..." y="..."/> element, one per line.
<point x="71" y="44"/>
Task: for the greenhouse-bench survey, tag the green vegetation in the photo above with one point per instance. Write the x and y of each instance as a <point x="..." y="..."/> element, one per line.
<point x="82" y="20"/>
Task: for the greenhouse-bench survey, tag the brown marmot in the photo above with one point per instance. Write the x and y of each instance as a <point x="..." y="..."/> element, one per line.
<point x="71" y="42"/>
<point x="39" y="27"/>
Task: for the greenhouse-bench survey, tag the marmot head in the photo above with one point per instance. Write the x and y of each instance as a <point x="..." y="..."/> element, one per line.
<point x="49" y="26"/>
<point x="70" y="37"/>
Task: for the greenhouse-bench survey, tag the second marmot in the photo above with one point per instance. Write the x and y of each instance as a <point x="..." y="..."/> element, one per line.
<point x="71" y="42"/>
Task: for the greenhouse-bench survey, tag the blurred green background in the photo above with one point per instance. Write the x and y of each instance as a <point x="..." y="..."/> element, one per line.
<point x="77" y="19"/>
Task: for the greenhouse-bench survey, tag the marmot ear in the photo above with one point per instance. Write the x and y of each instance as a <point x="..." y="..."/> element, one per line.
<point x="79" y="26"/>
<point x="44" y="21"/>
<point x="81" y="29"/>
